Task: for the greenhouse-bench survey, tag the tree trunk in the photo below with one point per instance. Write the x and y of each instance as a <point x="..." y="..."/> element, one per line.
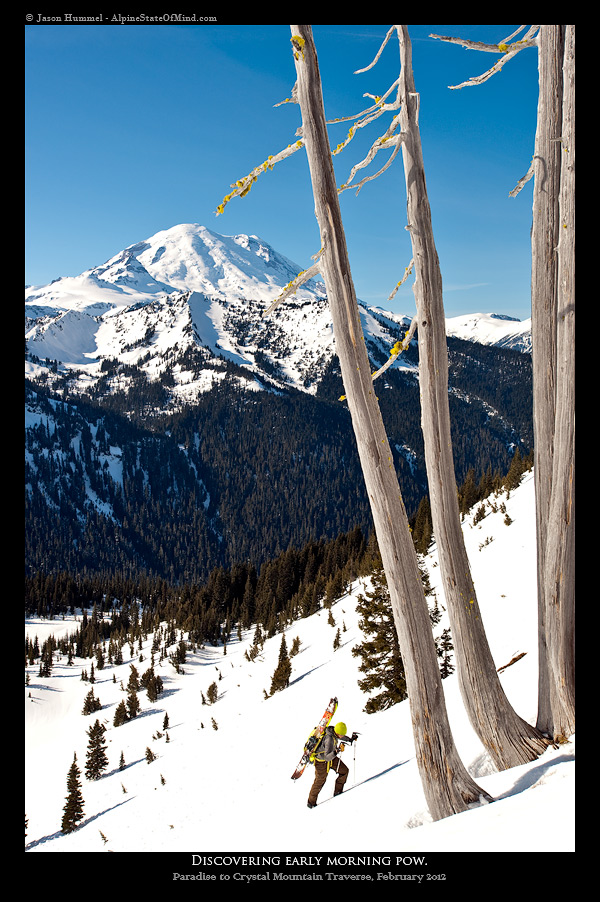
<point x="508" y="739"/>
<point x="544" y="241"/>
<point x="559" y="562"/>
<point x="447" y="785"/>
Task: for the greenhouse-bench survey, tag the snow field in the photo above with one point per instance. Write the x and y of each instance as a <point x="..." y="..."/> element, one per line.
<point x="229" y="790"/>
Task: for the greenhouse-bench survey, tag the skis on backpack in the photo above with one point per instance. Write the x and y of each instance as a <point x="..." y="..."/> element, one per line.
<point x="315" y="737"/>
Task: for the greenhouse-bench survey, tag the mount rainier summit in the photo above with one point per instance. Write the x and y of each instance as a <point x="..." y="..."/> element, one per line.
<point x="189" y="288"/>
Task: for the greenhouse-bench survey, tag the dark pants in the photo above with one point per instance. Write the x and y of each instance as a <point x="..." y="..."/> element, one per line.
<point x="321" y="771"/>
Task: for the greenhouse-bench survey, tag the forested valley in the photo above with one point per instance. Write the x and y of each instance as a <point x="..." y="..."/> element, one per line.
<point x="242" y="476"/>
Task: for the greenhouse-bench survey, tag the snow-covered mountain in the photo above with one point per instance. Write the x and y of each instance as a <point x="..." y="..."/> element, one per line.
<point x="189" y="288"/>
<point x="187" y="257"/>
<point x="492" y="329"/>
<point x="226" y="787"/>
<point x="170" y="335"/>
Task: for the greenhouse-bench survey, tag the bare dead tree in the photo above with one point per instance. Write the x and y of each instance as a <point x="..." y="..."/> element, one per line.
<point x="545" y="169"/>
<point x="559" y="573"/>
<point x="553" y="318"/>
<point x="447" y="784"/>
<point x="508" y="739"/>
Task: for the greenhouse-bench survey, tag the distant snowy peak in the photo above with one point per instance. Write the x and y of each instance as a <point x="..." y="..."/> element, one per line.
<point x="184" y="287"/>
<point x="187" y="257"/>
<point x="492" y="329"/>
<point x="191" y="257"/>
<point x="485" y="328"/>
<point x="191" y="288"/>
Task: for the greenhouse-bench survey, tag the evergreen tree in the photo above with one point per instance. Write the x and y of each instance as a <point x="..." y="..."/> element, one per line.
<point x="46" y="660"/>
<point x="213" y="693"/>
<point x="91" y="703"/>
<point x="381" y="659"/>
<point x="121" y="714"/>
<point x="96" y="761"/>
<point x="133" y="683"/>
<point x="423" y="528"/>
<point x="152" y="683"/>
<point x="334" y="588"/>
<point x="479" y="514"/>
<point x="515" y="473"/>
<point x="283" y="671"/>
<point x="467" y="495"/>
<point x="133" y="704"/>
<point x="150" y="756"/>
<point x="73" y="810"/>
<point x="444" y="650"/>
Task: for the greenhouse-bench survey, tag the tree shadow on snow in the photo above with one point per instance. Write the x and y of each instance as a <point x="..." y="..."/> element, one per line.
<point x="368" y="779"/>
<point x="84" y="823"/>
<point x="307" y="673"/>
<point x="382" y="773"/>
<point x="534" y="775"/>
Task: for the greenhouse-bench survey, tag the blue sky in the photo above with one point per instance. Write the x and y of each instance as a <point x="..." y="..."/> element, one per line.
<point x="131" y="129"/>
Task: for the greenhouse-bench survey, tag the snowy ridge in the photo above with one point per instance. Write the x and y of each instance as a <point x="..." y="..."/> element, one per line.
<point x="218" y="790"/>
<point x="190" y="288"/>
<point x="492" y="329"/>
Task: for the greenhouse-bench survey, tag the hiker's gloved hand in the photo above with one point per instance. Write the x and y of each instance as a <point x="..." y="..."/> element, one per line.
<point x="354" y="737"/>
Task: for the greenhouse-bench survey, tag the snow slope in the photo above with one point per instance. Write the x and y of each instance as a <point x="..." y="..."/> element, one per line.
<point x="491" y="329"/>
<point x="229" y="790"/>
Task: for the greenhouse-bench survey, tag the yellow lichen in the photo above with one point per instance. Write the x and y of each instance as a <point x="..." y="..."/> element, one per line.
<point x="298" y="44"/>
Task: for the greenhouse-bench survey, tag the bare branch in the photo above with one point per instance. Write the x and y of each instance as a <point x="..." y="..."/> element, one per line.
<point x="395" y="351"/>
<point x="369" y="115"/>
<point x="522" y="181"/>
<point x="296" y="283"/>
<point x="407" y="273"/>
<point x="379" y="52"/>
<point x="242" y="186"/>
<point x="508" y="51"/>
<point x="292" y="99"/>
<point x="514" y="34"/>
<point x="379" y="105"/>
<point x="382" y="143"/>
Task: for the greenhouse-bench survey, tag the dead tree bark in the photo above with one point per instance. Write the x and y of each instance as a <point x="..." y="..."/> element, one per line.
<point x="508" y="739"/>
<point x="544" y="242"/>
<point x="447" y="785"/>
<point x="559" y="563"/>
<point x="553" y="338"/>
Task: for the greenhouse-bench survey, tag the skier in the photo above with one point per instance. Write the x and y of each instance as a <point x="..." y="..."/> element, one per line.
<point x="326" y="757"/>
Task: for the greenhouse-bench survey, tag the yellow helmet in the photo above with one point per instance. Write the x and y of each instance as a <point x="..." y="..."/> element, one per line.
<point x="340" y="728"/>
